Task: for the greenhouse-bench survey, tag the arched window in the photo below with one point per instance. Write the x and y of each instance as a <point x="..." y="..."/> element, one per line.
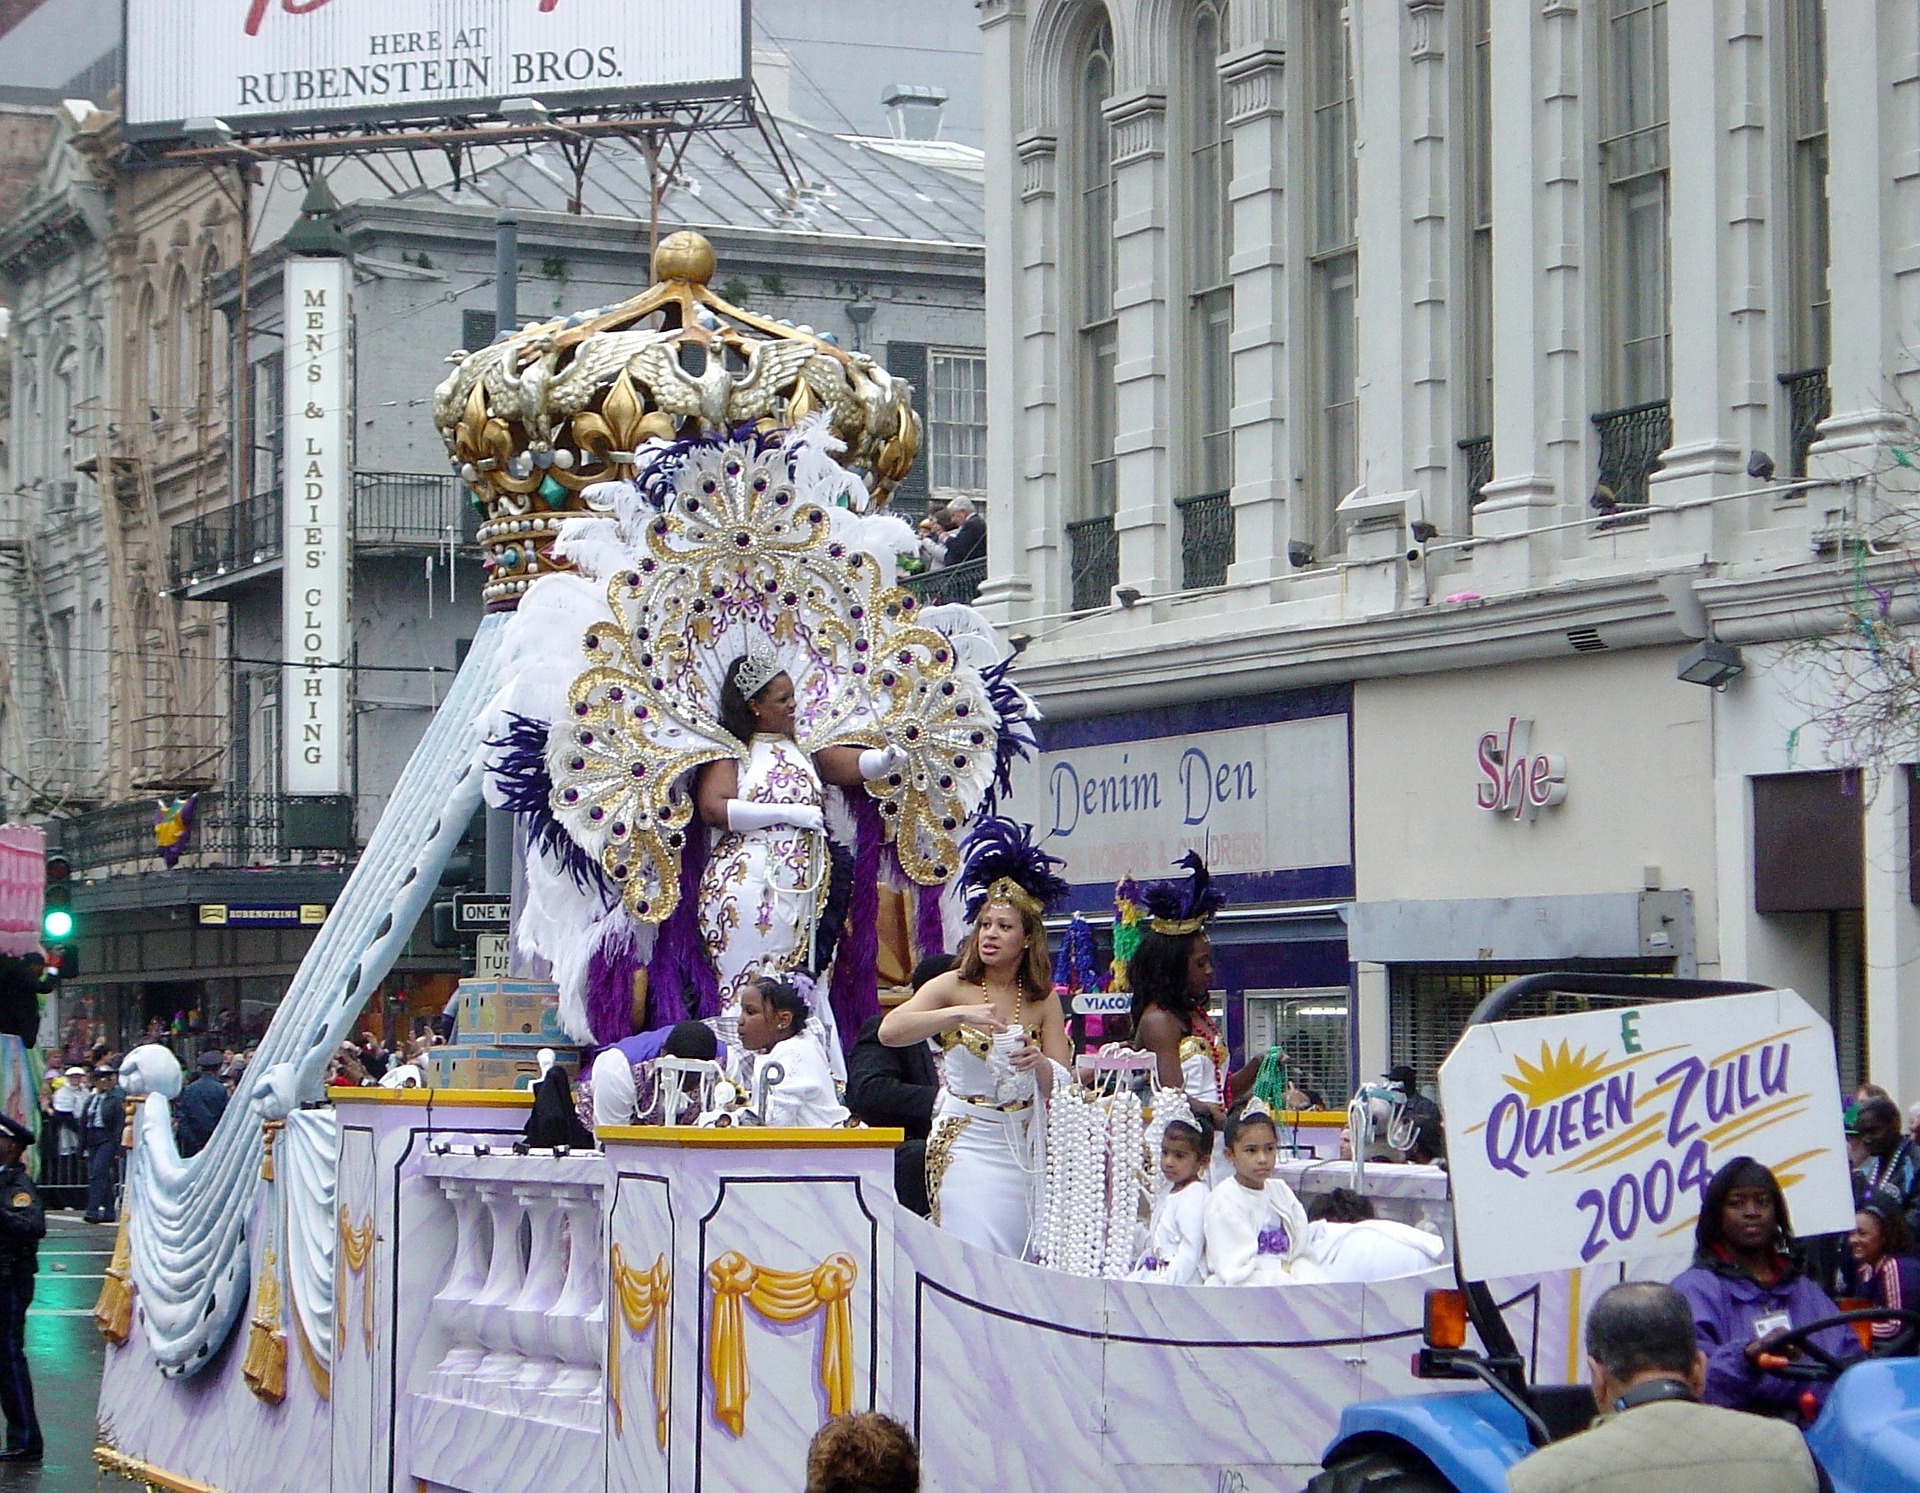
<point x="1093" y="555"/>
<point x="208" y="324"/>
<point x="1335" y="255"/>
<point x="1209" y="247"/>
<point x="184" y="396"/>
<point x="146" y="362"/>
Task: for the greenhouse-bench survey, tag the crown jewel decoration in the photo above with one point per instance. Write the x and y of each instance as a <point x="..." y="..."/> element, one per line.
<point x="762" y="665"/>
<point x="545" y="413"/>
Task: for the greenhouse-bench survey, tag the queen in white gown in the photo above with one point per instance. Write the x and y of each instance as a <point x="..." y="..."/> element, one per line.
<point x="1005" y="1046"/>
<point x="766" y="881"/>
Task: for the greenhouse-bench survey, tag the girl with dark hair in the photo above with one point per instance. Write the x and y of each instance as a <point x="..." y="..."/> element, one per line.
<point x="767" y="880"/>
<point x="1004" y="1040"/>
<point x="1256" y="1229"/>
<point x="773" y="1028"/>
<point x="1885" y="1270"/>
<point x="1746" y="1288"/>
<point x="1176" y="1234"/>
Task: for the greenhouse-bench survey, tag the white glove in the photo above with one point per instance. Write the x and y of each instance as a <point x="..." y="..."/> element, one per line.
<point x="743" y="815"/>
<point x="878" y="762"/>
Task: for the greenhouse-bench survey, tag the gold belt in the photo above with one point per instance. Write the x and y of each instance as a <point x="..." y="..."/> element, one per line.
<point x="1011" y="1107"/>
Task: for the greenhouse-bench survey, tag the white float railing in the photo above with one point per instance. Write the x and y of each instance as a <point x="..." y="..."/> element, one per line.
<point x="523" y="1307"/>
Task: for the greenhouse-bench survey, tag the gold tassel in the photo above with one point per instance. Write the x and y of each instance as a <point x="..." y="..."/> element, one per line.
<point x="265" y="1365"/>
<point x="113" y="1312"/>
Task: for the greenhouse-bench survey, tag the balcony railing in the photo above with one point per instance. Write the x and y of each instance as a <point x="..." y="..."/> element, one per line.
<point x="951" y="583"/>
<point x="1093" y="562"/>
<point x="1631" y="441"/>
<point x="1206" y="539"/>
<point x="230" y="830"/>
<point x="391" y="510"/>
<point x="1478" y="450"/>
<point x="1809" y="401"/>
<point x="239" y="537"/>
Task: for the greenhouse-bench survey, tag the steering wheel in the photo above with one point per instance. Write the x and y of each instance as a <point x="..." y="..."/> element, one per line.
<point x="1821" y="1366"/>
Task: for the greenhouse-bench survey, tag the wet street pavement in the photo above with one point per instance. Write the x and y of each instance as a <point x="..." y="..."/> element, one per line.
<point x="64" y="1353"/>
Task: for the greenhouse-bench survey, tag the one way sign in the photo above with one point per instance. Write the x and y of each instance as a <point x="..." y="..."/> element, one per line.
<point x="480" y="912"/>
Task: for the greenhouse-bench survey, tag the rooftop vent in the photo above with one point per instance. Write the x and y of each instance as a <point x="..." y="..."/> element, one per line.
<point x="914" y="110"/>
<point x="1586" y="640"/>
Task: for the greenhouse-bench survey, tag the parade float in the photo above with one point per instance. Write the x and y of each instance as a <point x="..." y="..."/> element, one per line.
<point x="385" y="1292"/>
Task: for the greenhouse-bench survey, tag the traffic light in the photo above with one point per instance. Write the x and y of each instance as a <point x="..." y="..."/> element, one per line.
<point x="56" y="917"/>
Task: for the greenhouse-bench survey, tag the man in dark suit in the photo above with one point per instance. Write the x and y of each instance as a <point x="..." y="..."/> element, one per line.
<point x="23" y="1224"/>
<point x="201" y="1103"/>
<point x="968" y="539"/>
<point x="102" y="1122"/>
<point x="897" y="1086"/>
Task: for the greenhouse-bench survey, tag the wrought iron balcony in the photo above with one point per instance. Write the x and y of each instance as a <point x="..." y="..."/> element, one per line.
<point x="236" y="538"/>
<point x="1809" y="401"/>
<point x="951" y="583"/>
<point x="1093" y="562"/>
<point x="1206" y="539"/>
<point x="230" y="830"/>
<point x="1631" y="441"/>
<point x="1478" y="451"/>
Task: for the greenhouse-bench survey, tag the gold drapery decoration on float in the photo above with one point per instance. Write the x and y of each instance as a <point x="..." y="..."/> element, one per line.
<point x="265" y="1365"/>
<point x="113" y="1312"/>
<point x="782" y="1296"/>
<point x="642" y="1299"/>
<point x="356" y="1248"/>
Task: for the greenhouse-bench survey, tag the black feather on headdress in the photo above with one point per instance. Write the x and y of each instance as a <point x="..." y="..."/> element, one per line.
<point x="996" y="848"/>
<point x="1177" y="903"/>
<point x="525" y="787"/>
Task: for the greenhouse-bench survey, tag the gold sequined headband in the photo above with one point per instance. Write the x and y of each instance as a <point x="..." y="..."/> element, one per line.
<point x="1178" y="929"/>
<point x="1006" y="892"/>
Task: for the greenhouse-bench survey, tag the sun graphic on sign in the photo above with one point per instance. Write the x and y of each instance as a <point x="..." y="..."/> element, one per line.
<point x="1557" y="1074"/>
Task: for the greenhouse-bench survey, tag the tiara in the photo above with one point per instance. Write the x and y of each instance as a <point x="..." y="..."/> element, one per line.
<point x="1006" y="892"/>
<point x="762" y="664"/>
<point x="1177" y="909"/>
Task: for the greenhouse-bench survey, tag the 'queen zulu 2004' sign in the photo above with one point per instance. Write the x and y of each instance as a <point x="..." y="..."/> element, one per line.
<point x="1589" y="1139"/>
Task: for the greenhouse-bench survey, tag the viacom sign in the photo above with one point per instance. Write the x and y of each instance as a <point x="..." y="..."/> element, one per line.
<point x="1252" y="799"/>
<point x="265" y="64"/>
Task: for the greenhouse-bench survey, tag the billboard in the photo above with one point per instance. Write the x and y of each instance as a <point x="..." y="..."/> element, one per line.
<point x="261" y="66"/>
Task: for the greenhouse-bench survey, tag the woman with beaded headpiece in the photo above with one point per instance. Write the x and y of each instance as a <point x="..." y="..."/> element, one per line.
<point x="1004" y="1044"/>
<point x="1171" y="973"/>
<point x="766" y="883"/>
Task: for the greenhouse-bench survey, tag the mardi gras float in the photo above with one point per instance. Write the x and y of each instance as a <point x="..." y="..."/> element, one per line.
<point x="684" y="505"/>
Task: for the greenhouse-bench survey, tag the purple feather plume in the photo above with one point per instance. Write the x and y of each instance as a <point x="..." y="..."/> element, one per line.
<point x="1015" y="739"/>
<point x="680" y="978"/>
<point x="609" y="992"/>
<point x="929" y="927"/>
<point x="856" y="983"/>
<point x="525" y="787"/>
<point x="1181" y="901"/>
<point x="999" y="847"/>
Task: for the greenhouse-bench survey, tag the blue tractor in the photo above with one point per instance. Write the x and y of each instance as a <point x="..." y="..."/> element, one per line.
<point x="1865" y="1436"/>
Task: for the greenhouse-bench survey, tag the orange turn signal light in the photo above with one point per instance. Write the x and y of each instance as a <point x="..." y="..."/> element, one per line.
<point x="1861" y="1330"/>
<point x="1446" y="1319"/>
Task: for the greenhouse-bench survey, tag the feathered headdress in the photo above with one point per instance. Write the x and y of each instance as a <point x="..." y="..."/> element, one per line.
<point x="1178" y="908"/>
<point x="1001" y="864"/>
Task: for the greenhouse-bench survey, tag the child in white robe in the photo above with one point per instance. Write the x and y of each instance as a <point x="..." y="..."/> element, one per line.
<point x="1256" y="1230"/>
<point x="773" y="1025"/>
<point x="1176" y="1240"/>
<point x="1352" y="1245"/>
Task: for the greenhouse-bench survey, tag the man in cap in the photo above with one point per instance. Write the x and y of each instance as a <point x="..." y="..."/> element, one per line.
<point x="23" y="1223"/>
<point x="200" y="1106"/>
<point x="104" y="1119"/>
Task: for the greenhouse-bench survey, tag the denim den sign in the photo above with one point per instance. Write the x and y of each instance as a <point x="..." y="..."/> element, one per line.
<point x="1598" y="1132"/>
<point x="1266" y="802"/>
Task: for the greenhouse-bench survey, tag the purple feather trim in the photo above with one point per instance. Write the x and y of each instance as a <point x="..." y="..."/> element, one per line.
<point x="1015" y="739"/>
<point x="609" y="992"/>
<point x="525" y="787"/>
<point x="998" y="847"/>
<point x="656" y="479"/>
<point x="680" y="978"/>
<point x="929" y="927"/>
<point x="856" y="982"/>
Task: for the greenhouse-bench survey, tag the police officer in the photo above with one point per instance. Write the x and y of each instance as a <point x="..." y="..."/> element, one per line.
<point x="23" y="1224"/>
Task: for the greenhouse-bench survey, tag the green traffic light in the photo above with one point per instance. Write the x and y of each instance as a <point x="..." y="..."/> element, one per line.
<point x="58" y="923"/>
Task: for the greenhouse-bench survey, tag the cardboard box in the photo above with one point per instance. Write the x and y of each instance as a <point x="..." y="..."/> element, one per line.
<point x="509" y="1013"/>
<point x="473" y="1067"/>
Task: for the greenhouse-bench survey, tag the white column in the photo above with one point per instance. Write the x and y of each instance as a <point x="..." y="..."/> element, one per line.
<point x="1253" y="77"/>
<point x="1383" y="158"/>
<point x="1142" y="274"/>
<point x="1431" y="265"/>
<point x="1373" y="1041"/>
<point x="1021" y="557"/>
<point x="1873" y="74"/>
<point x="1719" y="280"/>
<point x="1893" y="940"/>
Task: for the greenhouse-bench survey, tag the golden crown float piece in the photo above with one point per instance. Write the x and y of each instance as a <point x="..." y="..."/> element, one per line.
<point x="543" y="413"/>
<point x="662" y="500"/>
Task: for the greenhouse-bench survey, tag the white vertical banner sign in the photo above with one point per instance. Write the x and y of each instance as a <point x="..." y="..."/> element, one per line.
<point x="318" y="573"/>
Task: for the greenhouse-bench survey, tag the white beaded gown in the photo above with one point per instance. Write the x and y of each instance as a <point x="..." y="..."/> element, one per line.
<point x="1176" y="1239"/>
<point x="986" y="1156"/>
<point x="1258" y="1238"/>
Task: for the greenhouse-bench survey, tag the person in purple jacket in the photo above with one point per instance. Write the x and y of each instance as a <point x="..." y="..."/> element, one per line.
<point x="1746" y="1289"/>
